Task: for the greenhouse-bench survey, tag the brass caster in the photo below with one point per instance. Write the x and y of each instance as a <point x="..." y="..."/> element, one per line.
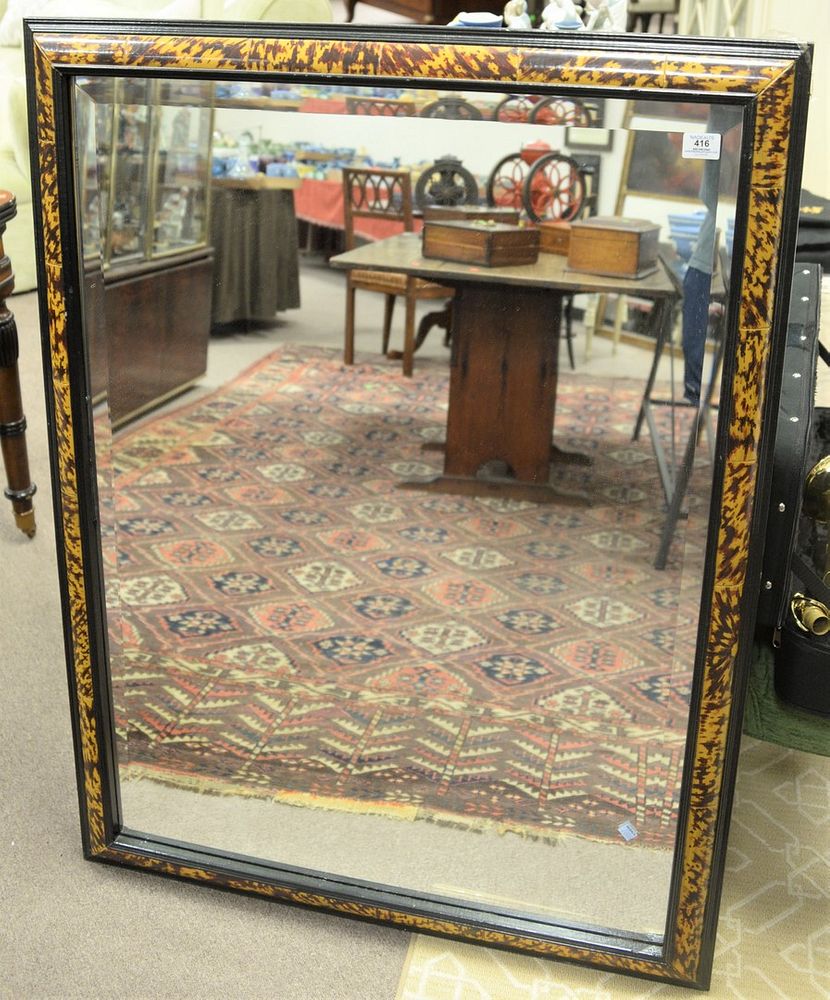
<point x="26" y="522"/>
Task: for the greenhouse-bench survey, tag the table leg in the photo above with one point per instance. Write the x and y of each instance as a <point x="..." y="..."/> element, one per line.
<point x="661" y="325"/>
<point x="503" y="376"/>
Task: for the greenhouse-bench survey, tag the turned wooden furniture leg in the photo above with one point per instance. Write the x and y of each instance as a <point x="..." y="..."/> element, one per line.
<point x="12" y="422"/>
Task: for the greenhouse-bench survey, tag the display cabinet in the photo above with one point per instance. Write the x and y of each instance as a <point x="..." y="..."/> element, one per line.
<point x="144" y="164"/>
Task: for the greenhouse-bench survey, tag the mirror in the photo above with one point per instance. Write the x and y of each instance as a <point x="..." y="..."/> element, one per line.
<point x="411" y="551"/>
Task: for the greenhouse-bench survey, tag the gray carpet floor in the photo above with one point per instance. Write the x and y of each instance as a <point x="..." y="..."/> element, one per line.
<point x="76" y="929"/>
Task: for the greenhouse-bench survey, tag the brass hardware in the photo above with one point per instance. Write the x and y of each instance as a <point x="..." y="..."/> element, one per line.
<point x="810" y="615"/>
<point x="817" y="506"/>
<point x="817" y="491"/>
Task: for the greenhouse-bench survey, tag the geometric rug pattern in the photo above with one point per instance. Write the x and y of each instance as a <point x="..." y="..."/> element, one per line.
<point x="773" y="940"/>
<point x="286" y="623"/>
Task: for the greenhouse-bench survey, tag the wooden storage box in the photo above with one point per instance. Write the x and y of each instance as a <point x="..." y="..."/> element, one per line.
<point x="467" y="213"/>
<point x="616" y="247"/>
<point x="491" y="244"/>
<point x="555" y="237"/>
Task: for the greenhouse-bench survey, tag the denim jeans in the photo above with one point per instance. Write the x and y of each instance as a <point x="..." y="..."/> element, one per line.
<point x="696" y="287"/>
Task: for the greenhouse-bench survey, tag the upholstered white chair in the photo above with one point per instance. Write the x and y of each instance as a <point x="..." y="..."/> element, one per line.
<point x="15" y="175"/>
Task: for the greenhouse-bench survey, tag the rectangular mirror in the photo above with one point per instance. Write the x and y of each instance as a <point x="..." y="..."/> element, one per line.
<point x="435" y="612"/>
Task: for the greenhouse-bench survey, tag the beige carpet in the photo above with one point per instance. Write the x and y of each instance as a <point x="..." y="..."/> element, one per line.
<point x="774" y="934"/>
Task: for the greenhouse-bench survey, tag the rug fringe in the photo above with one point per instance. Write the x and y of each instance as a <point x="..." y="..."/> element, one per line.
<point x="390" y="810"/>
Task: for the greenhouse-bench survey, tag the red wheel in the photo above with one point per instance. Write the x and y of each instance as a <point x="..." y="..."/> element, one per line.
<point x="554" y="189"/>
<point x="505" y="187"/>
<point x="516" y="108"/>
<point x="560" y="111"/>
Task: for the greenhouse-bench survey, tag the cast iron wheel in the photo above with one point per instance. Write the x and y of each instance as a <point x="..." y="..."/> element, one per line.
<point x="560" y="111"/>
<point x="554" y="189"/>
<point x="505" y="186"/>
<point x="515" y="108"/>
<point x="454" y="108"/>
<point x="446" y="182"/>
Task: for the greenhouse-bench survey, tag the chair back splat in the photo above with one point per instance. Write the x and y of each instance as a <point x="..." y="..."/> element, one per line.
<point x="385" y="195"/>
<point x="374" y="192"/>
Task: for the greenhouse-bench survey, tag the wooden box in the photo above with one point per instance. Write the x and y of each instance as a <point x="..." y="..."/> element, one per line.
<point x="555" y="237"/>
<point x="466" y="213"/>
<point x="612" y="246"/>
<point x="491" y="244"/>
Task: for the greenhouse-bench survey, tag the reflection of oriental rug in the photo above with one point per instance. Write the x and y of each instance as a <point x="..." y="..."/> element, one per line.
<point x="287" y="624"/>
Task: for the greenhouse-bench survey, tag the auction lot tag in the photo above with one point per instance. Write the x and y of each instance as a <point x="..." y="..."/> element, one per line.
<point x="627" y="830"/>
<point x="701" y="145"/>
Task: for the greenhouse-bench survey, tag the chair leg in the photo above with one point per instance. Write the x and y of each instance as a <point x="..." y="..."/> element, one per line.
<point x="594" y="322"/>
<point x="409" y="336"/>
<point x="619" y="319"/>
<point x="348" y="348"/>
<point x="569" y="330"/>
<point x="388" y="310"/>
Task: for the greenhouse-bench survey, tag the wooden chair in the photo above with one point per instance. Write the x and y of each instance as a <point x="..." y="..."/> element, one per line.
<point x="377" y="193"/>
<point x="12" y="421"/>
<point x="382" y="107"/>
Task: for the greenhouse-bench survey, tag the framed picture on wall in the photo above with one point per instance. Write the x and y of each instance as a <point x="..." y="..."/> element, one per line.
<point x="670" y="109"/>
<point x="656" y="165"/>
<point x="579" y="137"/>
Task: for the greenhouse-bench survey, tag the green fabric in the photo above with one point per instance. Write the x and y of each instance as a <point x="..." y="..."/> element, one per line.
<point x="768" y="718"/>
<point x="256" y="259"/>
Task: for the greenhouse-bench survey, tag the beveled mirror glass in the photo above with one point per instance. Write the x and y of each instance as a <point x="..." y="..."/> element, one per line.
<point x="434" y="613"/>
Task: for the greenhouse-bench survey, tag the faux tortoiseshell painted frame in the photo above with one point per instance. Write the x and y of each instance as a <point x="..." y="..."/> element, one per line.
<point x="768" y="82"/>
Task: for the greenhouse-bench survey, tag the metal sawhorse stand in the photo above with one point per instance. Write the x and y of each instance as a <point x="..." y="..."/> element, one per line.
<point x="675" y="477"/>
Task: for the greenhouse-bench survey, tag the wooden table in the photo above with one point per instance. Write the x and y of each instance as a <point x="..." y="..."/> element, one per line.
<point x="504" y="362"/>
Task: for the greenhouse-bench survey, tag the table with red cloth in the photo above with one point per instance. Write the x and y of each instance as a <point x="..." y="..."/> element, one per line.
<point x="320" y="202"/>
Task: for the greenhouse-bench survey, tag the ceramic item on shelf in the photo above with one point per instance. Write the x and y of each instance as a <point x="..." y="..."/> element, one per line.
<point x="516" y="17"/>
<point x="606" y="15"/>
<point x="477" y="19"/>
<point x="562" y="15"/>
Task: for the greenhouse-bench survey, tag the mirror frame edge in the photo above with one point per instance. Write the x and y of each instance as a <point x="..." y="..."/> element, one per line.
<point x="770" y="78"/>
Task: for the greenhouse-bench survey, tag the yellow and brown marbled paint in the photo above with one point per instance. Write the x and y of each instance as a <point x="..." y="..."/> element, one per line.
<point x="770" y="82"/>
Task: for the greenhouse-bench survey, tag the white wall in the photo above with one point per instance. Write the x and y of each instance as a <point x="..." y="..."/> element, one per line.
<point x="805" y="21"/>
<point x="479" y="145"/>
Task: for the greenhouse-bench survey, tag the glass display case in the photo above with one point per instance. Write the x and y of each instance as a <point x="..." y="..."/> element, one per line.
<point x="143" y="160"/>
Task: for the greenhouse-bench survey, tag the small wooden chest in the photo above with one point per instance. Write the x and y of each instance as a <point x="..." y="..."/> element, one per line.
<point x="555" y="237"/>
<point x="491" y="244"/>
<point x="617" y="247"/>
<point x="466" y="213"/>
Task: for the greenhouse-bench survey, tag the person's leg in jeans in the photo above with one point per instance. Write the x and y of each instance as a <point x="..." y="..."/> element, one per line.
<point x="696" y="288"/>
